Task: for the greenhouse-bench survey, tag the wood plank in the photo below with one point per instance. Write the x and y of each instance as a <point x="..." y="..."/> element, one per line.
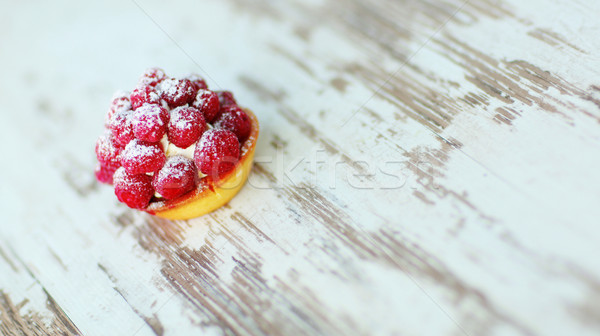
<point x="29" y="309"/>
<point x="424" y="167"/>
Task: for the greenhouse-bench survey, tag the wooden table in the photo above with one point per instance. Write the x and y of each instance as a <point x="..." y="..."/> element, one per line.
<point x="424" y="168"/>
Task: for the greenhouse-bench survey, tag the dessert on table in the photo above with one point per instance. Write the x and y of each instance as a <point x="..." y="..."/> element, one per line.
<point x="174" y="148"/>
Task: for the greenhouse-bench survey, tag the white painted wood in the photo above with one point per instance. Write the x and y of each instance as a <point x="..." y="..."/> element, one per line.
<point x="470" y="222"/>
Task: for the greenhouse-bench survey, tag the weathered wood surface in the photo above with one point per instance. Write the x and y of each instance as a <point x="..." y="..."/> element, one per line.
<point x="424" y="168"/>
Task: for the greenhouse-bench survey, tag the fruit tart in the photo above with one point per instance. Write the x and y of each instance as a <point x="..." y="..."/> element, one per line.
<point x="174" y="148"/>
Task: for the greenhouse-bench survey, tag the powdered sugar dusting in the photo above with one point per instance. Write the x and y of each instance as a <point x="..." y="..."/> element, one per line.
<point x="137" y="149"/>
<point x="121" y="127"/>
<point x="158" y="139"/>
<point x="198" y="81"/>
<point x="176" y="177"/>
<point x="182" y="121"/>
<point x="140" y="157"/>
<point x="233" y="118"/>
<point x="133" y="190"/>
<point x="149" y="122"/>
<point x="207" y="102"/>
<point x="171" y="168"/>
<point x="152" y="77"/>
<point x="121" y="94"/>
<point x="107" y="153"/>
<point x="168" y="86"/>
<point x="145" y="94"/>
<point x="217" y="152"/>
<point x="185" y="126"/>
<point x="247" y="145"/>
<point x="177" y="92"/>
<point x="154" y="96"/>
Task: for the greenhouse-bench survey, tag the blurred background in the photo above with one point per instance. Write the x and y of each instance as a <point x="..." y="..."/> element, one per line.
<point x="424" y="168"/>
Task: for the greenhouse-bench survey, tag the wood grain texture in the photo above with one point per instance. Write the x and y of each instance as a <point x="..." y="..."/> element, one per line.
<point x="36" y="313"/>
<point x="424" y="168"/>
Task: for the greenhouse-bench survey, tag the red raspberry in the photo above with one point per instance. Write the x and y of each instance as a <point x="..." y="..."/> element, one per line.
<point x="178" y="176"/>
<point x="150" y="122"/>
<point x="120" y="102"/>
<point x="104" y="174"/>
<point x="152" y="77"/>
<point x="121" y="127"/>
<point x="226" y="98"/>
<point x="133" y="190"/>
<point x="234" y="119"/>
<point x="217" y="152"/>
<point x="177" y="92"/>
<point x="144" y="94"/>
<point x="185" y="126"/>
<point x="199" y="82"/>
<point x="140" y="157"/>
<point x="108" y="154"/>
<point x="208" y="103"/>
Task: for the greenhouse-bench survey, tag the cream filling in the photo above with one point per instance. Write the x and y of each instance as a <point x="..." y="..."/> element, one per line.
<point x="172" y="150"/>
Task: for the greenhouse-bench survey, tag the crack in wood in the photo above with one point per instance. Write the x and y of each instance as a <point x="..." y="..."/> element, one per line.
<point x="236" y="307"/>
<point x="13" y="322"/>
<point x="409" y="258"/>
<point x="151" y="321"/>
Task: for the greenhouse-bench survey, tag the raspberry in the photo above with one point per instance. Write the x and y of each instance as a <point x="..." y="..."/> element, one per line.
<point x="185" y="126"/>
<point x="226" y="98"/>
<point x="140" y="157"/>
<point x="234" y="119"/>
<point x="120" y="102"/>
<point x="108" y="153"/>
<point x="136" y="155"/>
<point x="217" y="152"/>
<point x="177" y="92"/>
<point x="208" y="103"/>
<point x="150" y="122"/>
<point x="121" y="127"/>
<point x="133" y="190"/>
<point x="198" y="82"/>
<point x="178" y="176"/>
<point x="152" y="77"/>
<point x="144" y="94"/>
<point x="104" y="174"/>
